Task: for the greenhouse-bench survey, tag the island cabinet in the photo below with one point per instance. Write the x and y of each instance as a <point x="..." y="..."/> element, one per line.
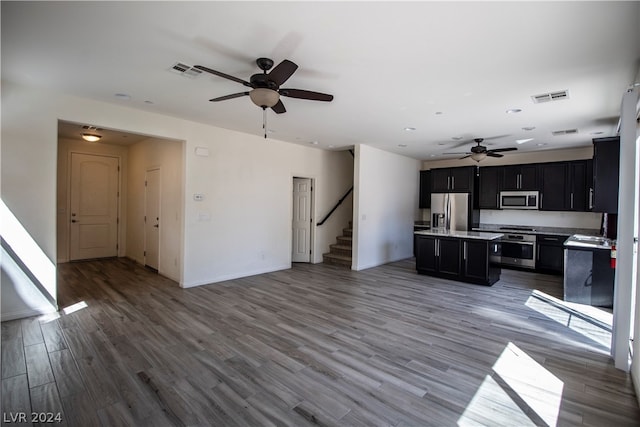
<point x="465" y="260"/>
<point x="490" y="183"/>
<point x="520" y="177"/>
<point x="457" y="180"/>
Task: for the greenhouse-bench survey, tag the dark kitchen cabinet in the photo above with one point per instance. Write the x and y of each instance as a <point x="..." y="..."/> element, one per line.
<point x="438" y="255"/>
<point x="476" y="266"/>
<point x="520" y="177"/>
<point x="550" y="253"/>
<point x="425" y="190"/>
<point x="580" y="177"/>
<point x="606" y="167"/>
<point x="554" y="189"/>
<point x="490" y="184"/>
<point x="458" y="180"/>
<point x="465" y="260"/>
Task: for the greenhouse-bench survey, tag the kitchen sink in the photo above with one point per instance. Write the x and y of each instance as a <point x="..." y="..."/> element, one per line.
<point x="588" y="241"/>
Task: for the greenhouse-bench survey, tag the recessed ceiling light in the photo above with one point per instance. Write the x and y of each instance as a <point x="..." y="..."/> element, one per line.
<point x="409" y="129"/>
<point x="314" y="143"/>
<point x="442" y="143"/>
<point x="456" y="138"/>
<point x="122" y="96"/>
<point x="522" y="141"/>
<point x="528" y="128"/>
<point x="331" y="145"/>
<point x="432" y="155"/>
<point x="438" y="113"/>
<point x="541" y="144"/>
<point x="596" y="133"/>
<point x="513" y="110"/>
<point x="402" y="145"/>
<point x="148" y="102"/>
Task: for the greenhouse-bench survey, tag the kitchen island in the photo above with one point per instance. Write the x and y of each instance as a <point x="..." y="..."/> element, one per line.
<point x="457" y="255"/>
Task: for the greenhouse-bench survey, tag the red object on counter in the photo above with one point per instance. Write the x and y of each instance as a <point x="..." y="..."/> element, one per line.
<point x="613" y="256"/>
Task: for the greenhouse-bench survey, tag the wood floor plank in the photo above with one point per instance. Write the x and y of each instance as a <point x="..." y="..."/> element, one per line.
<point x="15" y="398"/>
<point x="38" y="365"/>
<point x="313" y="345"/>
<point x="46" y="405"/>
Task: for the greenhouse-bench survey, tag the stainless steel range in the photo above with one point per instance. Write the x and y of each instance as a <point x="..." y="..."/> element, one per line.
<point x="517" y="249"/>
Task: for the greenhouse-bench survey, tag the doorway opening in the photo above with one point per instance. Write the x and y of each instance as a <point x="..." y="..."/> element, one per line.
<point x="302" y="224"/>
<point x="148" y="182"/>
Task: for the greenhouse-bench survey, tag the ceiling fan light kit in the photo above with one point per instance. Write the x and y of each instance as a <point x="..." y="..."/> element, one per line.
<point x="264" y="98"/>
<point x="478" y="156"/>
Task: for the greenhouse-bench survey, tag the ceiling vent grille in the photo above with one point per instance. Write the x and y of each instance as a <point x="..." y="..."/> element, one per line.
<point x="564" y="132"/>
<point x="551" y="96"/>
<point x="185" y="70"/>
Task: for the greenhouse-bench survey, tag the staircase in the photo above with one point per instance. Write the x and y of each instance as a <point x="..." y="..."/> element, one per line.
<point x="340" y="253"/>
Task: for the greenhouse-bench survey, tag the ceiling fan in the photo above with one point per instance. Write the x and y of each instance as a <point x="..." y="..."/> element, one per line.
<point x="479" y="152"/>
<point x="266" y="91"/>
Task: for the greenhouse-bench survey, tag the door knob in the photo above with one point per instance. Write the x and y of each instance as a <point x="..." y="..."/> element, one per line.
<point x="156" y="226"/>
<point x="73" y="220"/>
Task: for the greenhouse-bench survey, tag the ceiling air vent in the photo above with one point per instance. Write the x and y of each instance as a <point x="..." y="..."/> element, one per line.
<point x="185" y="70"/>
<point x="551" y="96"/>
<point x="564" y="132"/>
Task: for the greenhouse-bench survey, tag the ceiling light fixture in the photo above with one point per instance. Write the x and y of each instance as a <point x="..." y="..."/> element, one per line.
<point x="91" y="137"/>
<point x="513" y="110"/>
<point x="478" y="156"/>
<point x="522" y="141"/>
<point x="528" y="128"/>
<point x="264" y="98"/>
<point x="409" y="129"/>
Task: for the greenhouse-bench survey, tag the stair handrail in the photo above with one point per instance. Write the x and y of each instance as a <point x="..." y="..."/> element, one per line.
<point x="335" y="207"/>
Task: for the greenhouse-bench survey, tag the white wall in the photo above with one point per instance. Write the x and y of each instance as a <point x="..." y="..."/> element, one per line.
<point x="167" y="156"/>
<point x="385" y="206"/>
<point x="247" y="182"/>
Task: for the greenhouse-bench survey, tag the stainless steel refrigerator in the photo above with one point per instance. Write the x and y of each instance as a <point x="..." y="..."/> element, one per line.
<point x="451" y="211"/>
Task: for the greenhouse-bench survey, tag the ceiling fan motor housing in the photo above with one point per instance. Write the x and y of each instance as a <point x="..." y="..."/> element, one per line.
<point x="263" y="81"/>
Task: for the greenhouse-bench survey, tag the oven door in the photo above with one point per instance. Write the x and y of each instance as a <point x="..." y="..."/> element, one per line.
<point x="522" y="254"/>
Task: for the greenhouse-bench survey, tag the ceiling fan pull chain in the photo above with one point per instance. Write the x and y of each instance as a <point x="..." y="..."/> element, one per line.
<point x="264" y="121"/>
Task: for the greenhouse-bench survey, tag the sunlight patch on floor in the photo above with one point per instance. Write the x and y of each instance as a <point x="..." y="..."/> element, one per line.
<point x="519" y="392"/>
<point x="590" y="322"/>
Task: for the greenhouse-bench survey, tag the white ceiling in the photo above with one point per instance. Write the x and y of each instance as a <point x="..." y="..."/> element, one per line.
<point x="447" y="69"/>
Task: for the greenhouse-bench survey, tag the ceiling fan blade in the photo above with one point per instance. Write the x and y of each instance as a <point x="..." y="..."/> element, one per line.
<point x="282" y="72"/>
<point x="223" y="75"/>
<point x="279" y="107"/>
<point x="493" y="154"/>
<point x="468" y="155"/>
<point x="306" y="94"/>
<point x="233" y="95"/>
<point x="500" y="150"/>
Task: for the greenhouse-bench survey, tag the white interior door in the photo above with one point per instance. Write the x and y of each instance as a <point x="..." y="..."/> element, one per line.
<point x="93" y="231"/>
<point x="152" y="219"/>
<point x="301" y="220"/>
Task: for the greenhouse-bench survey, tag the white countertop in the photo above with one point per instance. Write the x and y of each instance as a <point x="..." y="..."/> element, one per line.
<point x="589" y="242"/>
<point x="460" y="234"/>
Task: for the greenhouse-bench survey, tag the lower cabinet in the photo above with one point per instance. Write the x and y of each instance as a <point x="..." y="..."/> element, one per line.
<point x="550" y="253"/>
<point x="465" y="260"/>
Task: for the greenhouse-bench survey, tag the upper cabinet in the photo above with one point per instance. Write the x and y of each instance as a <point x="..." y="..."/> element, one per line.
<point x="490" y="184"/>
<point x="553" y="188"/>
<point x="425" y="190"/>
<point x="606" y="167"/>
<point x="520" y="177"/>
<point x="456" y="180"/>
<point x="565" y="186"/>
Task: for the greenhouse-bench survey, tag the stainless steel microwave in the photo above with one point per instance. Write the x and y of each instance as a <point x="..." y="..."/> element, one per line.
<point x="519" y="200"/>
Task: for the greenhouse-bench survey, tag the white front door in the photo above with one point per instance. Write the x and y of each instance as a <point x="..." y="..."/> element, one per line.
<point x="93" y="232"/>
<point x="152" y="219"/>
<point x="301" y="251"/>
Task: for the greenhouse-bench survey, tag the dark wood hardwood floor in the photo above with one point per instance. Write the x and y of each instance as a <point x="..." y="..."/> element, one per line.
<point x="313" y="345"/>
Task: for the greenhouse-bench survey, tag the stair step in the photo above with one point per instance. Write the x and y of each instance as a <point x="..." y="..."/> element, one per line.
<point x="348" y="232"/>
<point x="343" y="250"/>
<point x="334" y="259"/>
<point x="345" y="240"/>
